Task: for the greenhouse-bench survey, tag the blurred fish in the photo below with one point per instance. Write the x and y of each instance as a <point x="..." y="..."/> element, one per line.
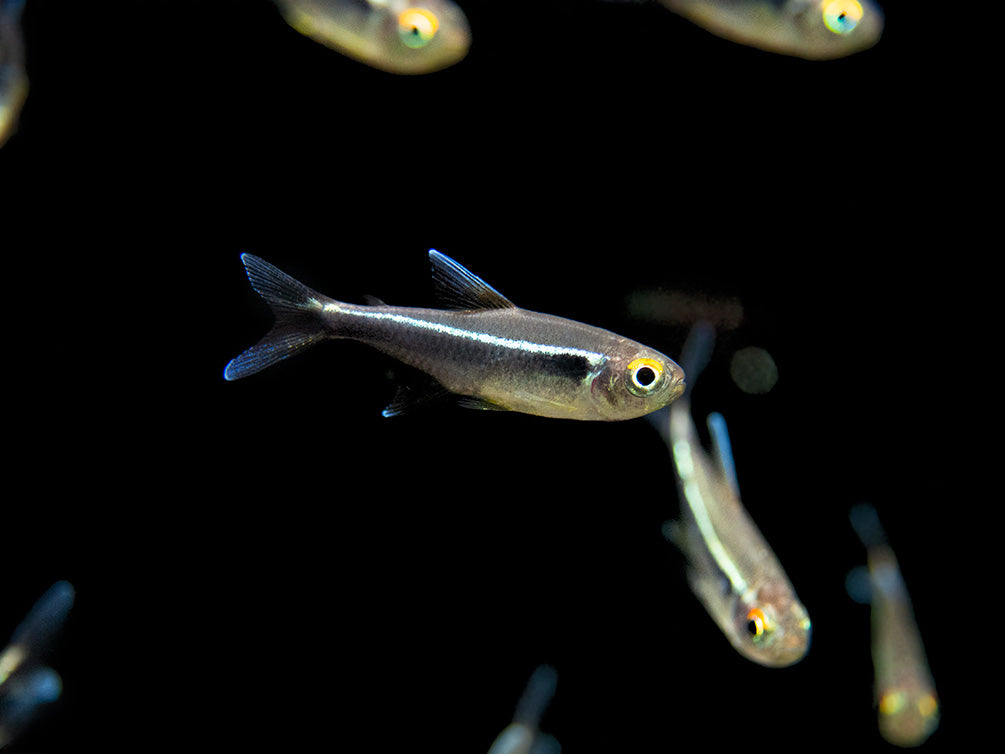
<point x="13" y="79"/>
<point x="812" y="29"/>
<point x="26" y="684"/>
<point x="905" y="691"/>
<point x="397" y="36"/>
<point x="522" y="735"/>
<point x="493" y="353"/>
<point x="685" y="308"/>
<point x="731" y="568"/>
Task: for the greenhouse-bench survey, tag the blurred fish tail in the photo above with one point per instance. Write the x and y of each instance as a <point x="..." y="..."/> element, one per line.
<point x="299" y="323"/>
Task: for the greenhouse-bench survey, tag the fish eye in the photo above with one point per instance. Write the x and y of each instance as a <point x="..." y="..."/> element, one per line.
<point x="757" y="623"/>
<point x="417" y="27"/>
<point x="841" y="16"/>
<point x="644" y="375"/>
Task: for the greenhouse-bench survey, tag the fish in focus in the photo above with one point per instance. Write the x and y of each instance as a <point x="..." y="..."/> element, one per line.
<point x="908" y="706"/>
<point x="25" y="683"/>
<point x="485" y="349"/>
<point x="522" y="736"/>
<point x="730" y="566"/>
<point x="13" y="79"/>
<point x="397" y="36"/>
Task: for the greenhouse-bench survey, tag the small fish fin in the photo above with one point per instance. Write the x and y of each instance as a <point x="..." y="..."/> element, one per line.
<point x="697" y="352"/>
<point x="536" y="696"/>
<point x="458" y="288"/>
<point x="298" y="324"/>
<point x="373" y="301"/>
<point x="722" y="448"/>
<point x="865" y="522"/>
<point x="858" y="584"/>
<point x="417" y="391"/>
<point x="479" y="404"/>
<point x="23" y="695"/>
<point x="36" y="632"/>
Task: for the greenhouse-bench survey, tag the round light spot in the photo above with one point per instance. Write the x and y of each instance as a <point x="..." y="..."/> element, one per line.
<point x="753" y="370"/>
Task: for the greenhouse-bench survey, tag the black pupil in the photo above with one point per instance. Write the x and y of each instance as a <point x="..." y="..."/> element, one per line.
<point x="752" y="627"/>
<point x="645" y="376"/>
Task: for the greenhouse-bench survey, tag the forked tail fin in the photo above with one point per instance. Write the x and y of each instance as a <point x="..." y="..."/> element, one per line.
<point x="298" y="325"/>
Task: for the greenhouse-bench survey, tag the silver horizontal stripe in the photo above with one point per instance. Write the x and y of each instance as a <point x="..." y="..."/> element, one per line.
<point x="526" y="346"/>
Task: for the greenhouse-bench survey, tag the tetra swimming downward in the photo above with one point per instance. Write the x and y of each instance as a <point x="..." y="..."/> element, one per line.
<point x="485" y="349"/>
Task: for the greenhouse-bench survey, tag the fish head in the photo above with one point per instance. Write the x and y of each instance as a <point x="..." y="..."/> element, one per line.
<point x="908" y="714"/>
<point x="426" y="35"/>
<point x="635" y="381"/>
<point x="397" y="36"/>
<point x="812" y="29"/>
<point x="771" y="627"/>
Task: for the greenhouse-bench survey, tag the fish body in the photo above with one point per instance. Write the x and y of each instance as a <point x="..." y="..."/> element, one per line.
<point x="523" y="735"/>
<point x="731" y="568"/>
<point x="13" y="79"/>
<point x="490" y="352"/>
<point x="906" y="699"/>
<point x="812" y="29"/>
<point x="25" y="683"/>
<point x="397" y="36"/>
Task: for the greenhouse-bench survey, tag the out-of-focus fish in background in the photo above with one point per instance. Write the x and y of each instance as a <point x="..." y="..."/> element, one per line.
<point x="25" y="683"/>
<point x="678" y="307"/>
<point x="811" y="29"/>
<point x="397" y="36"/>
<point x="523" y="736"/>
<point x="908" y="706"/>
<point x="731" y="567"/>
<point x="13" y="79"/>
<point x="485" y="349"/>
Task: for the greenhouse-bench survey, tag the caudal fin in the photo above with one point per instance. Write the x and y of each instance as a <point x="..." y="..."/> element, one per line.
<point x="298" y="324"/>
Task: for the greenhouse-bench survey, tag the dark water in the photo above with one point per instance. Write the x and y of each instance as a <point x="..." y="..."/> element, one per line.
<point x="273" y="558"/>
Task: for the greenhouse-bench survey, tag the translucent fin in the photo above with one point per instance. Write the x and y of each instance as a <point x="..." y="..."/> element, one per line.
<point x="34" y="635"/>
<point x="723" y="450"/>
<point x="23" y="696"/>
<point x="522" y="735"/>
<point x="697" y="352"/>
<point x="536" y="697"/>
<point x="417" y="392"/>
<point x="458" y="288"/>
<point x="865" y="522"/>
<point x="298" y="323"/>
<point x="479" y="404"/>
<point x="25" y="684"/>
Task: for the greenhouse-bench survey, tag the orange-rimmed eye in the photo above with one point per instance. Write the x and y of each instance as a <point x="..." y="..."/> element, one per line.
<point x="417" y="27"/>
<point x="644" y="375"/>
<point x="757" y="623"/>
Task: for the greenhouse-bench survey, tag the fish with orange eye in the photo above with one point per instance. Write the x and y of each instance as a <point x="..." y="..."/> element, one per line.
<point x="730" y="566"/>
<point x="397" y="36"/>
<point x="483" y="349"/>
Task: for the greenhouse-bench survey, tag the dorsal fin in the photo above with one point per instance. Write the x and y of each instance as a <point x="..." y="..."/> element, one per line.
<point x="457" y="288"/>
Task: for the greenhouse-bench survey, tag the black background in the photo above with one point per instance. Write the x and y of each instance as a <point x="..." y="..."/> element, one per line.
<point x="270" y="563"/>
